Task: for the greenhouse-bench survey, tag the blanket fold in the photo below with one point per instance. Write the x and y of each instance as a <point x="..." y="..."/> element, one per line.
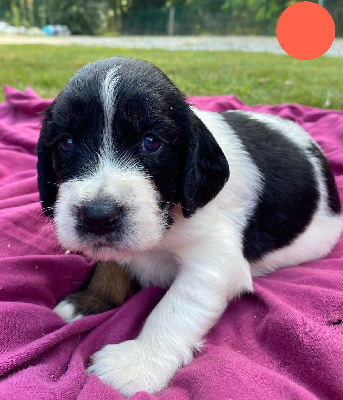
<point x="285" y="341"/>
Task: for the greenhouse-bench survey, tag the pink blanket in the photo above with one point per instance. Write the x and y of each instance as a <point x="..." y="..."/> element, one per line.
<point x="283" y="342"/>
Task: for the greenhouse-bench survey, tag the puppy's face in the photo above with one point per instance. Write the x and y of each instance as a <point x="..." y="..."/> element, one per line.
<point x="114" y="158"/>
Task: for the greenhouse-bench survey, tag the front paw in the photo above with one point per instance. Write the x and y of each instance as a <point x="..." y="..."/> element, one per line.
<point x="67" y="311"/>
<point x="131" y="367"/>
<point x="80" y="304"/>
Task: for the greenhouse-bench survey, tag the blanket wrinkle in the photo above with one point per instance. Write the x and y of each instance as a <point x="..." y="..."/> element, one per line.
<point x="284" y="341"/>
<point x="28" y="103"/>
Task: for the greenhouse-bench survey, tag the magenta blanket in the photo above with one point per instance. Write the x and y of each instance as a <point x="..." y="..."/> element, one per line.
<point x="283" y="342"/>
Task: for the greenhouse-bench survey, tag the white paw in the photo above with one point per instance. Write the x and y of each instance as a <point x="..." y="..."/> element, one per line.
<point x="66" y="310"/>
<point x="131" y="367"/>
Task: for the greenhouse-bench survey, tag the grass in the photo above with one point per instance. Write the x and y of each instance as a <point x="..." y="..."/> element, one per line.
<point x="255" y="78"/>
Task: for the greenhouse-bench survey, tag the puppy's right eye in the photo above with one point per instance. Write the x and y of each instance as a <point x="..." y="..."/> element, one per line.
<point x="67" y="144"/>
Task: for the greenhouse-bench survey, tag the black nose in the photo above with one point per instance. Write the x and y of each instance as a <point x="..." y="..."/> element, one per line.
<point x="101" y="217"/>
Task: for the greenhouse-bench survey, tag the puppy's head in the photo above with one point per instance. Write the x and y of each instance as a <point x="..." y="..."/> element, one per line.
<point x="119" y="147"/>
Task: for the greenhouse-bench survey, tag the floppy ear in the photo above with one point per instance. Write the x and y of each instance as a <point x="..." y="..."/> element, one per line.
<point x="206" y="170"/>
<point x="46" y="173"/>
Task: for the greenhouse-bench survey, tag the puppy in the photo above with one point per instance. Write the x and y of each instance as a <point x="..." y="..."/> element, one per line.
<point x="195" y="201"/>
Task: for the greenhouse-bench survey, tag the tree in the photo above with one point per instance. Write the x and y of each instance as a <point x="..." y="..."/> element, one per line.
<point x="81" y="16"/>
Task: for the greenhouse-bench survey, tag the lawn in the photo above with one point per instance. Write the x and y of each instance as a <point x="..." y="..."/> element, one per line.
<point x="254" y="77"/>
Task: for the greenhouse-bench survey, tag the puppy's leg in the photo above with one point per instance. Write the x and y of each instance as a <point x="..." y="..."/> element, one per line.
<point x="210" y="275"/>
<point x="108" y="288"/>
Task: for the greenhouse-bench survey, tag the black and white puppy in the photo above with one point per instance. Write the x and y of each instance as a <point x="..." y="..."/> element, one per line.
<point x="196" y="201"/>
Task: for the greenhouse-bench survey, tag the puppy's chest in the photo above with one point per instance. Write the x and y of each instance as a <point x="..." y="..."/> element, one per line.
<point x="156" y="267"/>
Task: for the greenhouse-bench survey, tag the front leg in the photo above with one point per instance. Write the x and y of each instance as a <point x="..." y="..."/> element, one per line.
<point x="206" y="282"/>
<point x="108" y="288"/>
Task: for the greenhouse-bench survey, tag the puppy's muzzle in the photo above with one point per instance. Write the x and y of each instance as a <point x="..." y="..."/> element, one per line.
<point x="101" y="218"/>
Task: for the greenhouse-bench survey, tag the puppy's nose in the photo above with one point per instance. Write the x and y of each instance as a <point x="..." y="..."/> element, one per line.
<point x="100" y="218"/>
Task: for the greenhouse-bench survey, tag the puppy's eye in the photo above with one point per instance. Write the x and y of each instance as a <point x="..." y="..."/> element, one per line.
<point x="67" y="144"/>
<point x="151" y="143"/>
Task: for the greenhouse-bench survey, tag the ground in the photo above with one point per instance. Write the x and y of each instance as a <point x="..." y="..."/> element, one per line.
<point x="224" y="43"/>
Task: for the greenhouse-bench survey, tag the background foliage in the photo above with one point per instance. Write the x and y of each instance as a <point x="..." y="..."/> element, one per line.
<point x="153" y="16"/>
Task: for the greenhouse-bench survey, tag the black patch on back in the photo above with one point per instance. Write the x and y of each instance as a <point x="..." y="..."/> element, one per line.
<point x="289" y="196"/>
<point x="333" y="196"/>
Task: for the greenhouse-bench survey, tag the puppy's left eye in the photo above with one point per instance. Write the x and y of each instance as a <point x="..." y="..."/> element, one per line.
<point x="151" y="143"/>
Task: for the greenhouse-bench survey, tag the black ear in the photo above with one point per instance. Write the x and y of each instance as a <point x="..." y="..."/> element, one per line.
<point x="46" y="173"/>
<point x="206" y="171"/>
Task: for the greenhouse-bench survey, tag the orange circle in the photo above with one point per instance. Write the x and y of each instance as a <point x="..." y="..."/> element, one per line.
<point x="305" y="30"/>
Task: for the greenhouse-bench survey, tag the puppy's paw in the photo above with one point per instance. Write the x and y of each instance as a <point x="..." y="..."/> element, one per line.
<point x="131" y="367"/>
<point x="67" y="311"/>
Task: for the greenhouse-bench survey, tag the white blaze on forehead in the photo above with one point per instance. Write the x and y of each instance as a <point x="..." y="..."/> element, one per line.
<point x="108" y="94"/>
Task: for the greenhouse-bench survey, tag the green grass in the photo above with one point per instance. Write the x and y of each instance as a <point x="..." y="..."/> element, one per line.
<point x="255" y="78"/>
